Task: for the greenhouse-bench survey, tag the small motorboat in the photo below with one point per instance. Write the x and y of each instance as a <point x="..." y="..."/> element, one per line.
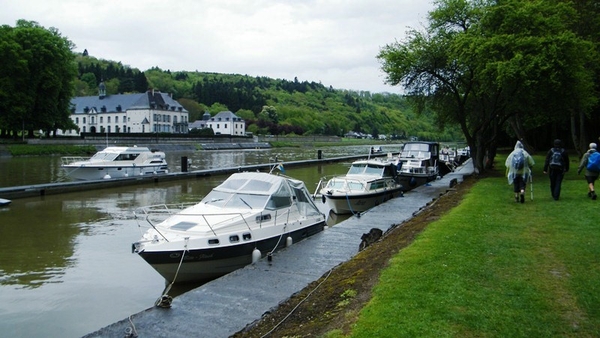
<point x="366" y="184"/>
<point x="418" y="163"/>
<point x="248" y="216"/>
<point x="116" y="162"/>
<point x="4" y="202"/>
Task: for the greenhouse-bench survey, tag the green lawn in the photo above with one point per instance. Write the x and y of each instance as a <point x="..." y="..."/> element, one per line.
<point x="496" y="268"/>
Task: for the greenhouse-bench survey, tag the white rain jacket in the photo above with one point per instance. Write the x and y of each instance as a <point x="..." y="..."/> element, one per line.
<point x="513" y="172"/>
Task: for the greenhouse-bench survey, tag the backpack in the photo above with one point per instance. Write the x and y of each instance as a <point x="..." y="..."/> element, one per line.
<point x="518" y="160"/>
<point x="594" y="162"/>
<point x="556" y="158"/>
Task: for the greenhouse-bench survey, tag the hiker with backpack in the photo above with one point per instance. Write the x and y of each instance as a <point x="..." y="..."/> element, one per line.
<point x="556" y="165"/>
<point x="591" y="162"/>
<point x="518" y="164"/>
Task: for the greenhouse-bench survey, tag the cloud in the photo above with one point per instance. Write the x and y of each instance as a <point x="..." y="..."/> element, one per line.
<point x="328" y="41"/>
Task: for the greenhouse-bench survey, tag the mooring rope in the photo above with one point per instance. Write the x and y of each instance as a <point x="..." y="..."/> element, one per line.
<point x="297" y="305"/>
<point x="165" y="300"/>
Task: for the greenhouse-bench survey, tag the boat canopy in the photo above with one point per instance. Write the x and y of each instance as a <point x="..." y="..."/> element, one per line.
<point x="261" y="191"/>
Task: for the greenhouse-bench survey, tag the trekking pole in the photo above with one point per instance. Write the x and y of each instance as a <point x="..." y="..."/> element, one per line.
<point x="531" y="184"/>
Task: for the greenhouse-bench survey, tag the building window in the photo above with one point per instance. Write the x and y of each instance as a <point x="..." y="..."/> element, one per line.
<point x="108" y="119"/>
<point x="77" y="120"/>
<point x="108" y="130"/>
<point x="84" y="120"/>
<point x="101" y="119"/>
<point x="225" y="126"/>
<point x="116" y="119"/>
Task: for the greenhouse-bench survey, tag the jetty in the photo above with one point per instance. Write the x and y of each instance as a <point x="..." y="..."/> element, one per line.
<point x="233" y="302"/>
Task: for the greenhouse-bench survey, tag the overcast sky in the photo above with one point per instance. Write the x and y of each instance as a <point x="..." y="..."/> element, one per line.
<point x="334" y="42"/>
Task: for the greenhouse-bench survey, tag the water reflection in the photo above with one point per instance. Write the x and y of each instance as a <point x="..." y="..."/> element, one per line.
<point x="66" y="267"/>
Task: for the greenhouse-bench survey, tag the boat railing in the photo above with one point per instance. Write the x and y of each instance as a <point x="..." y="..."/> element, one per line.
<point x="155" y="214"/>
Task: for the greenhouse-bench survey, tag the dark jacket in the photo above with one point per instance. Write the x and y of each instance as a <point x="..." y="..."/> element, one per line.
<point x="565" y="160"/>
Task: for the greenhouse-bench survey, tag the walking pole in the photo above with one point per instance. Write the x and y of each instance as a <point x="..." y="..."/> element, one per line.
<point x="531" y="184"/>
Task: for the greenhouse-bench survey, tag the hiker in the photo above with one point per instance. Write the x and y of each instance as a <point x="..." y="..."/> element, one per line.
<point x="591" y="169"/>
<point x="519" y="163"/>
<point x="556" y="165"/>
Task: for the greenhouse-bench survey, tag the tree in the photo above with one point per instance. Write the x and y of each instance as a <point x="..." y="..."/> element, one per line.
<point x="37" y="78"/>
<point x="484" y="63"/>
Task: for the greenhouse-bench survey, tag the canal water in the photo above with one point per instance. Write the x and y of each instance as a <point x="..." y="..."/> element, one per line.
<point x="66" y="267"/>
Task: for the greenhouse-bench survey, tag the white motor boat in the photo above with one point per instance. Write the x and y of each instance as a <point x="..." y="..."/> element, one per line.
<point x="116" y="162"/>
<point x="418" y="163"/>
<point x="248" y="216"/>
<point x="366" y="184"/>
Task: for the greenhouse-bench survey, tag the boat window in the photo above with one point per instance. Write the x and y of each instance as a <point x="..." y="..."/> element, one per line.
<point x="246" y="201"/>
<point x="263" y="218"/>
<point x="377" y="185"/>
<point x="335" y="184"/>
<point x="213" y="241"/>
<point x="373" y="170"/>
<point x="278" y="202"/>
<point x="357" y="168"/>
<point x="355" y="186"/>
<point x="234" y="238"/>
<point x="247" y="236"/>
<point x="126" y="157"/>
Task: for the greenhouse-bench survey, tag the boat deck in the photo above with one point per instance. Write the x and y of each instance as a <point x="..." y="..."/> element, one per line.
<point x="222" y="307"/>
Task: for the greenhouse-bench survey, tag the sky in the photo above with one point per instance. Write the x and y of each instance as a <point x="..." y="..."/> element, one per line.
<point x="334" y="42"/>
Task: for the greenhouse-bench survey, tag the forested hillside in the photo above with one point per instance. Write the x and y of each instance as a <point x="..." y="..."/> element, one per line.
<point x="269" y="106"/>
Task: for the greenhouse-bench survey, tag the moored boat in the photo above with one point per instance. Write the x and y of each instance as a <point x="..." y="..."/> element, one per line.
<point x="366" y="184"/>
<point x="418" y="163"/>
<point x="249" y="215"/>
<point x="116" y="162"/>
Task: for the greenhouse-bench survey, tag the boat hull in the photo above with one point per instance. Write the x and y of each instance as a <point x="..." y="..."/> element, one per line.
<point x="411" y="181"/>
<point x="87" y="173"/>
<point x="203" y="265"/>
<point x="354" y="203"/>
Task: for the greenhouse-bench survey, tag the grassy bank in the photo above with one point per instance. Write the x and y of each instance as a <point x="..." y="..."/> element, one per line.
<point x="496" y="268"/>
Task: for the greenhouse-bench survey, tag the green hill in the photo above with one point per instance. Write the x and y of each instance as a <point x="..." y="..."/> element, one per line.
<point x="270" y="106"/>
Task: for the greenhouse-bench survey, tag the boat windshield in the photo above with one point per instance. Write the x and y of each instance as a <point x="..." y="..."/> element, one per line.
<point x="230" y="200"/>
<point x="103" y="157"/>
<point x="365" y="169"/>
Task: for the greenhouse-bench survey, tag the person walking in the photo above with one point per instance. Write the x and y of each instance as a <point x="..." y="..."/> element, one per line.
<point x="556" y="165"/>
<point x="518" y="164"/>
<point x="591" y="175"/>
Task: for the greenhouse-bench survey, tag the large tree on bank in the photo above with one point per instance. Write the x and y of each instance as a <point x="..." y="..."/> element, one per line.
<point x="36" y="78"/>
<point x="494" y="66"/>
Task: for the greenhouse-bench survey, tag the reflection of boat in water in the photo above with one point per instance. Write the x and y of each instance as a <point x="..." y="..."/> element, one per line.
<point x="116" y="162"/>
<point x="248" y="216"/>
<point x="366" y="184"/>
<point x="418" y="163"/>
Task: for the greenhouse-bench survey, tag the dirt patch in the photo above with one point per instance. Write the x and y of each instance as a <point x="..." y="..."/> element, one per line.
<point x="334" y="301"/>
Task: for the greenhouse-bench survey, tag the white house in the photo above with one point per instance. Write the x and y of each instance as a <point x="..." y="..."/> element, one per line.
<point x="149" y="112"/>
<point x="227" y="123"/>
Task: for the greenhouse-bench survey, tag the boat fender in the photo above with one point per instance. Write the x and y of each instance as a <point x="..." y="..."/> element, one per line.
<point x="255" y="255"/>
<point x="107" y="177"/>
<point x="289" y="241"/>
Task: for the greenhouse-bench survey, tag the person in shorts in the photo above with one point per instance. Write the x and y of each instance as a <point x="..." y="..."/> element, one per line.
<point x="590" y="176"/>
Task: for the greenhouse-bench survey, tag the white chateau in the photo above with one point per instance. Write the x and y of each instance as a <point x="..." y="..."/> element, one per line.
<point x="224" y="123"/>
<point x="149" y="112"/>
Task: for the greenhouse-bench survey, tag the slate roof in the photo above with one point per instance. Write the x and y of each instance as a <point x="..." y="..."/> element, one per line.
<point x="225" y="116"/>
<point x="112" y="103"/>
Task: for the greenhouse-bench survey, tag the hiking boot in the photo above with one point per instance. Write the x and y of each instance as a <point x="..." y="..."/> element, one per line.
<point x="589" y="194"/>
<point x="594" y="195"/>
<point x="522" y="198"/>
